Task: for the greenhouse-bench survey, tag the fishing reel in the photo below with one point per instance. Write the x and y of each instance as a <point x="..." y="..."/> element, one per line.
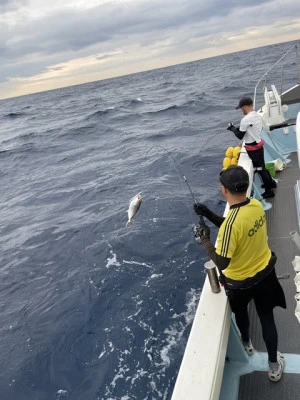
<point x="197" y="230"/>
<point x="230" y="126"/>
<point x="201" y="230"/>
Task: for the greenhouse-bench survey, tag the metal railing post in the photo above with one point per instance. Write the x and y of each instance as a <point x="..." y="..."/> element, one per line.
<point x="266" y="74"/>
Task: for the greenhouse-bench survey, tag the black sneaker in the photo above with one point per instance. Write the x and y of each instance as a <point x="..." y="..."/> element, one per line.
<point x="273" y="186"/>
<point x="268" y="194"/>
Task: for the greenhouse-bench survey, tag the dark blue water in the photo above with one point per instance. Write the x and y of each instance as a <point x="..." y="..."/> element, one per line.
<point x="91" y="309"/>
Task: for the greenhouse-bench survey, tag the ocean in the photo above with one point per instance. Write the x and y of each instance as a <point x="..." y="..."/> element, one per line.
<point x="92" y="309"/>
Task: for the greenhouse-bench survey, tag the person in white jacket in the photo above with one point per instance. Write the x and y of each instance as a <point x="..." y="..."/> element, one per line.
<point x="250" y="130"/>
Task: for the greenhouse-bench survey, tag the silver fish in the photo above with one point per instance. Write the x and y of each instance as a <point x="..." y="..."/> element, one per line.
<point x="134" y="205"/>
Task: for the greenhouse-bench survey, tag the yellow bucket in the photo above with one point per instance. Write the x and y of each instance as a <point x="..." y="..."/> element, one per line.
<point x="271" y="168"/>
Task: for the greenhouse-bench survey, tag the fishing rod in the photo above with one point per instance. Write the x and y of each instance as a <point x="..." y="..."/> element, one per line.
<point x="177" y="168"/>
<point x="180" y="174"/>
<point x="183" y="176"/>
<point x="201" y="220"/>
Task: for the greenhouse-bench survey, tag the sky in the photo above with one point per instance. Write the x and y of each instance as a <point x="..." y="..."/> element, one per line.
<point x="47" y="44"/>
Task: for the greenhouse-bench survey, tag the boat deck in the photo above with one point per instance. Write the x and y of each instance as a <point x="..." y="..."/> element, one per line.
<point x="282" y="219"/>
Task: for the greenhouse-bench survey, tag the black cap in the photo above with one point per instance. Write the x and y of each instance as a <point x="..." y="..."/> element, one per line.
<point x="235" y="179"/>
<point x="245" y="101"/>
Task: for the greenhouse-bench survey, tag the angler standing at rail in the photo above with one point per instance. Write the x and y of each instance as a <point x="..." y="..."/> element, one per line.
<point x="245" y="262"/>
<point x="250" y="129"/>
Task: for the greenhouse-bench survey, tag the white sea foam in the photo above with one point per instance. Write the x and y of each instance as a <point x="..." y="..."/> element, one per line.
<point x="159" y="350"/>
<point x="174" y="333"/>
<point x="136" y="263"/>
<point x="102" y="354"/>
<point x="62" y="394"/>
<point x="110" y="349"/>
<point x="112" y="261"/>
<point x="153" y="276"/>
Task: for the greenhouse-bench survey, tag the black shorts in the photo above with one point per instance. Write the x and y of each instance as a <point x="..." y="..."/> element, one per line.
<point x="257" y="157"/>
<point x="266" y="294"/>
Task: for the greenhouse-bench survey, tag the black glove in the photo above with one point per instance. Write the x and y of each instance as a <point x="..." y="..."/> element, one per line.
<point x="201" y="209"/>
<point x="201" y="231"/>
<point x="230" y="126"/>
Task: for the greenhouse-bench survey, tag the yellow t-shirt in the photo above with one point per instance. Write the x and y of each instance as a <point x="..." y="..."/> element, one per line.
<point x="242" y="237"/>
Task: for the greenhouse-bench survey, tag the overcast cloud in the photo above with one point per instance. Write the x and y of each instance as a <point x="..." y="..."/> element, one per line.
<point x="50" y="43"/>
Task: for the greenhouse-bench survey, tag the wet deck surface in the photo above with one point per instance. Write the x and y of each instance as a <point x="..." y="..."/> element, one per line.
<point x="256" y="386"/>
<point x="282" y="219"/>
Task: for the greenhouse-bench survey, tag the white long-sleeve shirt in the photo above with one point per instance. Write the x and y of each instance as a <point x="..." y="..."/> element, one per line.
<point x="252" y="125"/>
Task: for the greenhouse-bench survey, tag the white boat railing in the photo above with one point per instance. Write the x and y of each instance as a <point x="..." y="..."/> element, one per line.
<point x="201" y="371"/>
<point x="265" y="76"/>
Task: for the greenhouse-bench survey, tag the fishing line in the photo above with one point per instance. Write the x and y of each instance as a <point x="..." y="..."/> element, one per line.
<point x="179" y="173"/>
<point x="177" y="169"/>
<point x="211" y="138"/>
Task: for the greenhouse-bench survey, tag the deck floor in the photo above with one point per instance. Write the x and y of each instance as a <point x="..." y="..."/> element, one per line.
<point x="282" y="219"/>
<point x="256" y="386"/>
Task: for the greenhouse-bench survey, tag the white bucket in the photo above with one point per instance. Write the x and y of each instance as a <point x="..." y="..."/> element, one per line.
<point x="278" y="164"/>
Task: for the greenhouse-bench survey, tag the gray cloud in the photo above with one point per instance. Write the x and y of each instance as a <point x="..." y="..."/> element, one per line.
<point x="10" y="5"/>
<point x="29" y="46"/>
<point x="77" y="29"/>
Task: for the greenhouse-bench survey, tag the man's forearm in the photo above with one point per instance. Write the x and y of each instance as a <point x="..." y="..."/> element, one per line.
<point x="239" y="134"/>
<point x="221" y="262"/>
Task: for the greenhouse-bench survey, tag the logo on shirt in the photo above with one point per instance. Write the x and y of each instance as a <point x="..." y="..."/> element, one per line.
<point x="257" y="224"/>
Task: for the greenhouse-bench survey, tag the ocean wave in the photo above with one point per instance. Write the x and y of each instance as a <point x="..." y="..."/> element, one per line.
<point x="14" y="115"/>
<point x="164" y="85"/>
<point x="83" y="131"/>
<point x="17" y="149"/>
<point x="171" y="108"/>
<point x="231" y="88"/>
<point x="133" y="102"/>
<point x="100" y="113"/>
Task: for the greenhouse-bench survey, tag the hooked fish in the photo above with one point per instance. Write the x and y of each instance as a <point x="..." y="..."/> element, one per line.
<point x="134" y="205"/>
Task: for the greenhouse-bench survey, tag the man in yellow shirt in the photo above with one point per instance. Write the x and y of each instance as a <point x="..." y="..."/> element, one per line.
<point x="245" y="262"/>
